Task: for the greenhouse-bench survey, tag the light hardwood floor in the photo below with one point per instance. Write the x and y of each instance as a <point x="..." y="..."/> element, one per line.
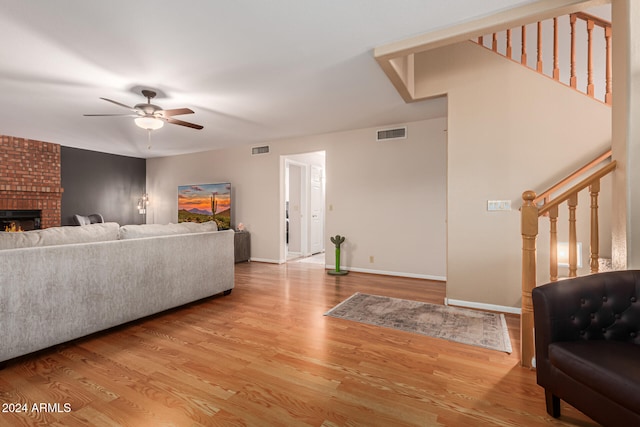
<point x="265" y="355"/>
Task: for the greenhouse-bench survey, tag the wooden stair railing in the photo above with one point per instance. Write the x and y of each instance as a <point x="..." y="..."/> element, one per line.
<point x="530" y="213"/>
<point x="591" y="22"/>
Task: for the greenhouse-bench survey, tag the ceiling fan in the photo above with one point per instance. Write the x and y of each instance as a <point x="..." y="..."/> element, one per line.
<point x="149" y="116"/>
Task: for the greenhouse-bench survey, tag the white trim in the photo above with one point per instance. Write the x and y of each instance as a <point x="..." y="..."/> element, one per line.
<point x="390" y="273"/>
<point x="267" y="260"/>
<point x="447" y="301"/>
<point x="483" y="306"/>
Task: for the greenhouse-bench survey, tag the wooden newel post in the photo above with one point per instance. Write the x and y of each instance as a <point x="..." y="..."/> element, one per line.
<point x="529" y="230"/>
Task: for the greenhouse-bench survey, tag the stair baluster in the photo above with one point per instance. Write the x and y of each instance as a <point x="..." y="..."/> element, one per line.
<point x="523" y="54"/>
<point x="573" y="81"/>
<point x="573" y="236"/>
<point x="556" y="55"/>
<point x="539" y="38"/>
<point x="553" y="244"/>
<point x="594" y="190"/>
<point x="590" y="58"/>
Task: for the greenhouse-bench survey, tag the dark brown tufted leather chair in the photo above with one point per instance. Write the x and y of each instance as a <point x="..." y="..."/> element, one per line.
<point x="587" y="334"/>
<point x="89" y="219"/>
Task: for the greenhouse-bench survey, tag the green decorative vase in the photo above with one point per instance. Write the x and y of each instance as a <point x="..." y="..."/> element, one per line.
<point x="337" y="240"/>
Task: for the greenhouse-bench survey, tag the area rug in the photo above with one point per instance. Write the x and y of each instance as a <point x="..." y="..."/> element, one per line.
<point x="473" y="327"/>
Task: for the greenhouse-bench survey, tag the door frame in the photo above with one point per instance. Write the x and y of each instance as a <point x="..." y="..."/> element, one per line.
<point x="285" y="160"/>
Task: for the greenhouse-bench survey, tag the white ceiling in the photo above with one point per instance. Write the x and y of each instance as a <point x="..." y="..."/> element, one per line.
<point x="252" y="70"/>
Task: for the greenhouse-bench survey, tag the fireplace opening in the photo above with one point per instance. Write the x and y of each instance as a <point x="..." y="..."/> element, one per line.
<point x="22" y="219"/>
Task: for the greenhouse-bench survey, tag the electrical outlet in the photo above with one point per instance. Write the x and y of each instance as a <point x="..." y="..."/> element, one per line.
<point x="371" y="259"/>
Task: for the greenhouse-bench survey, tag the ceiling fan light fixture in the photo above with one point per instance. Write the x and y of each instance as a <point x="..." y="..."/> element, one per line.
<point x="149" y="123"/>
<point x="151" y="117"/>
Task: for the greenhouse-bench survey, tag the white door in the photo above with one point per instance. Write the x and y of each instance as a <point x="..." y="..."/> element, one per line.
<point x="295" y="210"/>
<point x="316" y="232"/>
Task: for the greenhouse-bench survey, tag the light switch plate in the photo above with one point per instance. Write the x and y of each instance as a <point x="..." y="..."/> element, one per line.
<point x="498" y="205"/>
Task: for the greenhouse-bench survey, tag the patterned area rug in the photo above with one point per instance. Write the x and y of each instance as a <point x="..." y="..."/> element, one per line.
<point x="479" y="328"/>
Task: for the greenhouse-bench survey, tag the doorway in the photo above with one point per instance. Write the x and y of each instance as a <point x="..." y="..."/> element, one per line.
<point x="304" y="201"/>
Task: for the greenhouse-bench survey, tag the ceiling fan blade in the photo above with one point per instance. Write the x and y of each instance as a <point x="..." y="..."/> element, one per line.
<point x="183" y="123"/>
<point x="175" y="112"/>
<point x="111" y="115"/>
<point x="119" y="103"/>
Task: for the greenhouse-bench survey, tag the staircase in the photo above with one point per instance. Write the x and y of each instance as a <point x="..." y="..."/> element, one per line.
<point x="563" y="49"/>
<point x="547" y="204"/>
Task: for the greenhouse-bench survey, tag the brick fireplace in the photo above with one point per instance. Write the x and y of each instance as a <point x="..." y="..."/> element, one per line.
<point x="30" y="178"/>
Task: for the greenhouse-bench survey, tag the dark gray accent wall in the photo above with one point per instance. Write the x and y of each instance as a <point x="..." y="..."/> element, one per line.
<point x="107" y="184"/>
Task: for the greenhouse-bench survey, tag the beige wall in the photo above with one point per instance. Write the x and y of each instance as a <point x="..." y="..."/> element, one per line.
<point x="510" y="130"/>
<point x="387" y="198"/>
<point x="626" y="133"/>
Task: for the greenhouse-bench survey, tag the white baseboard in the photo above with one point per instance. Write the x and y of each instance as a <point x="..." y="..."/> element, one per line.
<point x="390" y="273"/>
<point x="269" y="261"/>
<point x="483" y="306"/>
<point x="447" y="301"/>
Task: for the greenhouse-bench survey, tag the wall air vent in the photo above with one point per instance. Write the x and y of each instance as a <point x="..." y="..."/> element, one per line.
<point x="387" y="134"/>
<point x="260" y="150"/>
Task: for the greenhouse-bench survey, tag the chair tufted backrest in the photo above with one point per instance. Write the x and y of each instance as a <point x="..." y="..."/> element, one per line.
<point x="88" y="219"/>
<point x="96" y="218"/>
<point x="81" y="220"/>
<point x="595" y="307"/>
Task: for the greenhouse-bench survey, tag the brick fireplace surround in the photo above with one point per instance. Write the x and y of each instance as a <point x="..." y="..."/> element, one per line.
<point x="30" y="177"/>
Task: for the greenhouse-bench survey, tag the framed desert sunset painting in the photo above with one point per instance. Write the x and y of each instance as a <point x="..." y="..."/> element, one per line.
<point x="205" y="202"/>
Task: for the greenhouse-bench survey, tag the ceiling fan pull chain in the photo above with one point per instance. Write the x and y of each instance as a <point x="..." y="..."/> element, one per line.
<point x="148" y="139"/>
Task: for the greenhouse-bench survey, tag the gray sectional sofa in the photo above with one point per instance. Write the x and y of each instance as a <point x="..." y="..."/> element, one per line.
<point x="63" y="283"/>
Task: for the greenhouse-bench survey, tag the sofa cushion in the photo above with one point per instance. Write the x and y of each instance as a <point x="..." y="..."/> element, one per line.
<point x="152" y="230"/>
<point x="608" y="367"/>
<point x="60" y="236"/>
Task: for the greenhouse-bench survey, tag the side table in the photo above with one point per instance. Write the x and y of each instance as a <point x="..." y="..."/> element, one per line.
<point x="242" y="246"/>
